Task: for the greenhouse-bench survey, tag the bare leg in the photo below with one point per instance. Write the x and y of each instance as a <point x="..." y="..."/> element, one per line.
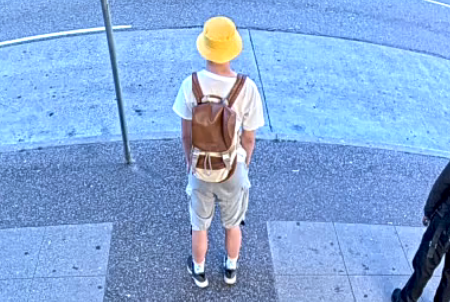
<point x="199" y="245"/>
<point x="233" y="239"/>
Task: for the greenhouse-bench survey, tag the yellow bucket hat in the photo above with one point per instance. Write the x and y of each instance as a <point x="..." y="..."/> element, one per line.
<point x="220" y="41"/>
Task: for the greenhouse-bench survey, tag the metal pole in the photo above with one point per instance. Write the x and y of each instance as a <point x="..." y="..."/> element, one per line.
<point x="115" y="70"/>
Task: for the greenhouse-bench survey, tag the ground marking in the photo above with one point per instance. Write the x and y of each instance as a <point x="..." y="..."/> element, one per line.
<point x="61" y="34"/>
<point x="440" y="3"/>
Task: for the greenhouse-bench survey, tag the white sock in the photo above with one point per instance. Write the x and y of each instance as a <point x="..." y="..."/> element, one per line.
<point x="231" y="263"/>
<point x="199" y="267"/>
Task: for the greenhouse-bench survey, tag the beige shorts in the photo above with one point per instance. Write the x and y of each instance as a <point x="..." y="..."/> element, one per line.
<point x="232" y="197"/>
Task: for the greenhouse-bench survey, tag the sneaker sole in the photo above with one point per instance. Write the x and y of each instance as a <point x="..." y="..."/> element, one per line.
<point x="198" y="283"/>
<point x="228" y="281"/>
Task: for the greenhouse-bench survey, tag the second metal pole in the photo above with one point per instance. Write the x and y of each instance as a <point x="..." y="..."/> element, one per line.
<point x="112" y="54"/>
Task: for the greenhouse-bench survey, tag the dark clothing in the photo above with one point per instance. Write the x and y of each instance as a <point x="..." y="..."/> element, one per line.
<point x="434" y="246"/>
<point x="439" y="197"/>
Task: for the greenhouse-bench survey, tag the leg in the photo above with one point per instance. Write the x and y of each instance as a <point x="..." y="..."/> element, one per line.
<point x="233" y="240"/>
<point x="233" y="201"/>
<point x="196" y="262"/>
<point x="199" y="245"/>
<point x="202" y="212"/>
<point x="233" y="214"/>
<point x="423" y="265"/>
<point x="443" y="291"/>
<point x="421" y="275"/>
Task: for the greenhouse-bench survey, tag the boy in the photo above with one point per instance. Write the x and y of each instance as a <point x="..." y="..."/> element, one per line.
<point x="214" y="174"/>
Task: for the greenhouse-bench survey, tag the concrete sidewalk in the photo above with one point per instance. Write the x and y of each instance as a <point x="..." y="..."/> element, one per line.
<point x="315" y="89"/>
<point x="337" y="262"/>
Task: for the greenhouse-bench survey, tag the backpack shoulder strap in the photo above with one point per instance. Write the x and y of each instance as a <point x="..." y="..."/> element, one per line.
<point x="196" y="89"/>
<point x="236" y="90"/>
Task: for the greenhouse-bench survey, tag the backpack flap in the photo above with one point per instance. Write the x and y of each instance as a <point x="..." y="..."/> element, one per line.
<point x="213" y="127"/>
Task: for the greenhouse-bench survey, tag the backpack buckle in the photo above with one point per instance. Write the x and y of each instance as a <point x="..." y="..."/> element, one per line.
<point x="205" y="99"/>
<point x="227" y="161"/>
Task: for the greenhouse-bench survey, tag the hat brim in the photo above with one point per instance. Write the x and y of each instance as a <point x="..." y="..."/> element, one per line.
<point x="220" y="55"/>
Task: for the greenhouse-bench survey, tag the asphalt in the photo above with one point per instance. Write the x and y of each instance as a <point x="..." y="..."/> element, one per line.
<point x="88" y="175"/>
<point x="291" y="181"/>
<point x="413" y="24"/>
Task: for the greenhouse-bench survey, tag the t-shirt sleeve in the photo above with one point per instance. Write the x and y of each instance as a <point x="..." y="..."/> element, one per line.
<point x="183" y="103"/>
<point x="254" y="117"/>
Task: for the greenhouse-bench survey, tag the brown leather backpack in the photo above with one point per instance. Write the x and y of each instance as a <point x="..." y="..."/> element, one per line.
<point x="214" y="141"/>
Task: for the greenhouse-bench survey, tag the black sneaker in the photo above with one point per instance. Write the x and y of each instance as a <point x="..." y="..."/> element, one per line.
<point x="396" y="295"/>
<point x="199" y="279"/>
<point x="229" y="275"/>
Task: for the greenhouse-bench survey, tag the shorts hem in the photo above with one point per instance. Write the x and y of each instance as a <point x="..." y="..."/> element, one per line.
<point x="239" y="224"/>
<point x="199" y="229"/>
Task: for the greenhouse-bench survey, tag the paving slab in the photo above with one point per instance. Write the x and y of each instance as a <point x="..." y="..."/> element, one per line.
<point x="305" y="248"/>
<point x="380" y="288"/>
<point x="353" y="92"/>
<point x="70" y="251"/>
<point x="372" y="250"/>
<point x="314" y="288"/>
<point x="430" y="289"/>
<point x="376" y="288"/>
<point x="15" y="290"/>
<point x="71" y="289"/>
<point x="19" y="252"/>
<point x="410" y="238"/>
<point x="367" y="284"/>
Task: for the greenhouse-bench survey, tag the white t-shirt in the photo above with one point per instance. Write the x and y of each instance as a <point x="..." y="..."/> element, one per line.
<point x="248" y="105"/>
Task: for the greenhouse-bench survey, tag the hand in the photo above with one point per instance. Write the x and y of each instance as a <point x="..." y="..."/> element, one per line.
<point x="425" y="221"/>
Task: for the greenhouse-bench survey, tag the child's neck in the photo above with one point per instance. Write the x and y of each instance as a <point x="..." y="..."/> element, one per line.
<point x="220" y="69"/>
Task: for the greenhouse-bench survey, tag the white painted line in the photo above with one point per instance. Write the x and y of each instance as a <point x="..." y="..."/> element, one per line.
<point x="435" y="2"/>
<point x="61" y="34"/>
